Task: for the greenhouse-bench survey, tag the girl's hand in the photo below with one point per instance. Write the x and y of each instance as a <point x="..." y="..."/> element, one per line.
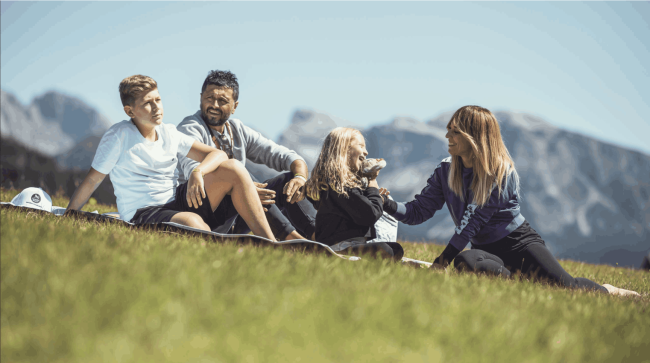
<point x="372" y="176"/>
<point x="384" y="191"/>
<point x="195" y="190"/>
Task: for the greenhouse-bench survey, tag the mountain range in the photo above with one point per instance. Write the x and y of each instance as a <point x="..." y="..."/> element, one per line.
<point x="588" y="199"/>
<point x="52" y="124"/>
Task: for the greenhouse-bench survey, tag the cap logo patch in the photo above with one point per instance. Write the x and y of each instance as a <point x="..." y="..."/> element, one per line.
<point x="36" y="198"/>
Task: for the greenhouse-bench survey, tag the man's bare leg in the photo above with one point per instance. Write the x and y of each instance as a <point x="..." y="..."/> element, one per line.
<point x="232" y="178"/>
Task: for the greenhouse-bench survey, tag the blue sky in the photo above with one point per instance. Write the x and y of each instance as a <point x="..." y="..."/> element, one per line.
<point x="580" y="66"/>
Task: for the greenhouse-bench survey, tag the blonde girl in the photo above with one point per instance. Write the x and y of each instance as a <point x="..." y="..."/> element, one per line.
<point x="480" y="185"/>
<point x="347" y="211"/>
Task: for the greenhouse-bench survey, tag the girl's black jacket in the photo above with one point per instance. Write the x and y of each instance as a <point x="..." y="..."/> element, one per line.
<point x="340" y="218"/>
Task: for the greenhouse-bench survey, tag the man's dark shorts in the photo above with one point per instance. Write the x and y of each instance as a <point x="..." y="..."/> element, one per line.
<point x="165" y="212"/>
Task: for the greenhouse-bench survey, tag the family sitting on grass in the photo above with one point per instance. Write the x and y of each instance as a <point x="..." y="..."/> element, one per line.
<point x="194" y="175"/>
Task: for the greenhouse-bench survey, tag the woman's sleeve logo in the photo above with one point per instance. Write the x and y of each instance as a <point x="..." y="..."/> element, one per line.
<point x="471" y="209"/>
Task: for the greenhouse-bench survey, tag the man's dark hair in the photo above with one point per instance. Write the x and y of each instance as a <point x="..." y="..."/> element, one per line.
<point x="222" y="79"/>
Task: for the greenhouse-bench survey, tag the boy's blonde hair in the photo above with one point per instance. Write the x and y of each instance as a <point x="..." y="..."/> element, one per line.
<point x="492" y="161"/>
<point x="332" y="169"/>
<point x="134" y="86"/>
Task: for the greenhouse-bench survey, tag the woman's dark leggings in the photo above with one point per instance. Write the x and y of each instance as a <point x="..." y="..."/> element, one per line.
<point x="523" y="250"/>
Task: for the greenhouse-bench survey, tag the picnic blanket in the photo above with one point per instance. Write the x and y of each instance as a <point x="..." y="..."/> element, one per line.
<point x="170" y="227"/>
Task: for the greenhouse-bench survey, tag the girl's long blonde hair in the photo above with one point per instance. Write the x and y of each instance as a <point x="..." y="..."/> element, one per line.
<point x="331" y="169"/>
<point x="491" y="159"/>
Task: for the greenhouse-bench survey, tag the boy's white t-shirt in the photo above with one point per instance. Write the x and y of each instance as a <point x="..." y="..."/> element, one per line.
<point x="143" y="173"/>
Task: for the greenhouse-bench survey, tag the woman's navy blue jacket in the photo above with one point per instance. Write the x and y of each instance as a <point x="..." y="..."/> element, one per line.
<point x="479" y="225"/>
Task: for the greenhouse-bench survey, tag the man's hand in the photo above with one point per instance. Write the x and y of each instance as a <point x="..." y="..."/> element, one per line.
<point x="294" y="190"/>
<point x="267" y="196"/>
<point x="195" y="190"/>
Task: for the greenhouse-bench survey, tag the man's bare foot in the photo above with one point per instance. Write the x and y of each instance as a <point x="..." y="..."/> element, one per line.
<point x="293" y="235"/>
<point x="613" y="290"/>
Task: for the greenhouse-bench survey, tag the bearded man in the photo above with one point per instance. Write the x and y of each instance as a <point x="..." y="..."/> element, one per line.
<point x="288" y="213"/>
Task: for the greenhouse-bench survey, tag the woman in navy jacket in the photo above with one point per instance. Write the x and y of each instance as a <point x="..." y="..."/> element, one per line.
<point x="480" y="186"/>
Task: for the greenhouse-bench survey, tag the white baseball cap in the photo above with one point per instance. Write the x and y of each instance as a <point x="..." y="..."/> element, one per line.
<point x="35" y="198"/>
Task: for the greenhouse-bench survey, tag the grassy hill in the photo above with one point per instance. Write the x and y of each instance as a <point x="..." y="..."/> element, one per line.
<point x="76" y="291"/>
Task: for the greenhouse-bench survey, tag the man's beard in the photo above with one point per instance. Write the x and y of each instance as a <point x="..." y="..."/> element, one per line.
<point x="211" y="120"/>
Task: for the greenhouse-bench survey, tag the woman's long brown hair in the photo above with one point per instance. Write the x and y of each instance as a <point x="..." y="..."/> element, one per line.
<point x="491" y="159"/>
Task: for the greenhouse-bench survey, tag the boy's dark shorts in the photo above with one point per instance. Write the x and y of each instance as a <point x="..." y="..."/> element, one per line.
<point x="165" y="212"/>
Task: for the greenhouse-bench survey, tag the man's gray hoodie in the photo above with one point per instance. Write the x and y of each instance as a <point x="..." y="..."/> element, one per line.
<point x="248" y="144"/>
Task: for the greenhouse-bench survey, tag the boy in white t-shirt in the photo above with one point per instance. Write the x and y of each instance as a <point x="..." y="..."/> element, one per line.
<point x="141" y="154"/>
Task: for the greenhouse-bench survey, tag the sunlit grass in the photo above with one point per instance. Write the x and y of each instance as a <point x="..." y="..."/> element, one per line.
<point x="77" y="291"/>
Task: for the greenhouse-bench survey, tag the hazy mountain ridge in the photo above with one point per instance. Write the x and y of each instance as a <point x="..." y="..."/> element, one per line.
<point x="52" y="123"/>
<point x="81" y="155"/>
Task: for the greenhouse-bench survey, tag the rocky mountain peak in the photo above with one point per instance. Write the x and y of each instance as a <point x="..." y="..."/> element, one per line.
<point x="75" y="117"/>
<point x="52" y="124"/>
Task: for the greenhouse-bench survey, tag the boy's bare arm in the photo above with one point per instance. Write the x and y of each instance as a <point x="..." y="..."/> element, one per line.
<point x="85" y="189"/>
<point x="210" y="159"/>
